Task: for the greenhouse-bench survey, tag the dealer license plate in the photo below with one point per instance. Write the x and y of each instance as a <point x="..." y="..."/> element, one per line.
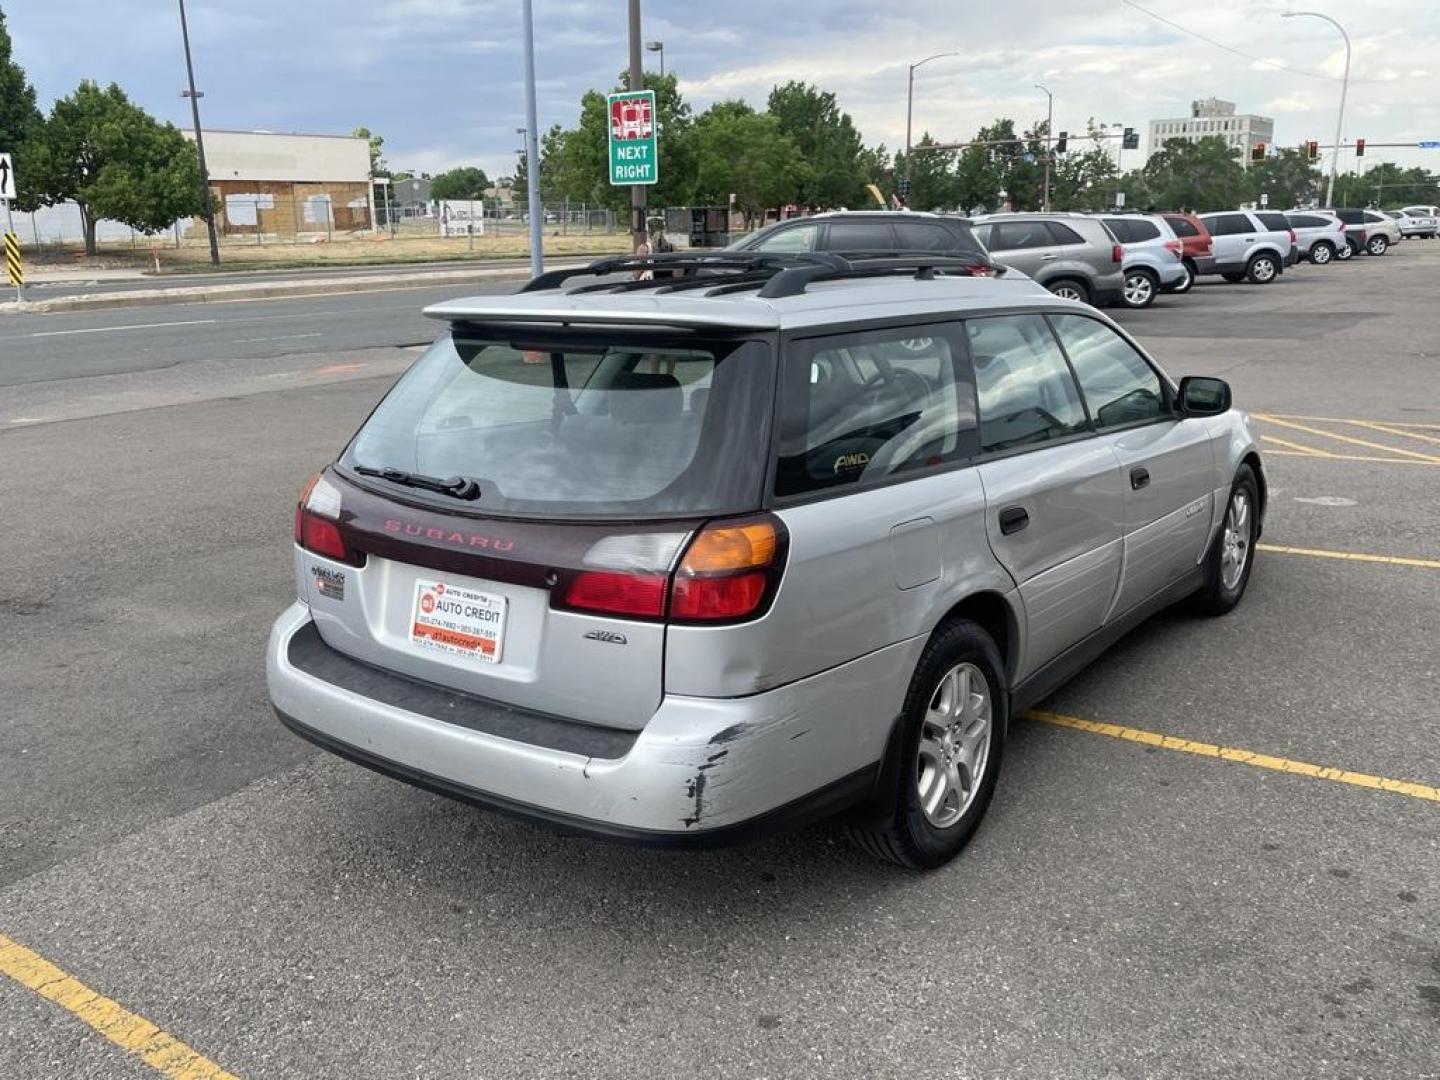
<point x="452" y="619"/>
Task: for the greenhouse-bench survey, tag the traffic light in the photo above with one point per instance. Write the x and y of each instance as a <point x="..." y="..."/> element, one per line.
<point x="1257" y="152"/>
<point x="1060" y="142"/>
<point x="1312" y="150"/>
<point x="1359" y="147"/>
<point x="1130" y="140"/>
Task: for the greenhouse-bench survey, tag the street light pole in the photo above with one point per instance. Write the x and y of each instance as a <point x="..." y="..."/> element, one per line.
<point x="1344" y="91"/>
<point x="195" y="96"/>
<point x="657" y="46"/>
<point x="909" y="112"/>
<point x="638" y="234"/>
<point x="1049" y="142"/>
<point x="532" y="150"/>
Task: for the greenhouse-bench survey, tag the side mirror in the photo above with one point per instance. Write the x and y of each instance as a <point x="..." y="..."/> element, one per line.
<point x="1201" y="395"/>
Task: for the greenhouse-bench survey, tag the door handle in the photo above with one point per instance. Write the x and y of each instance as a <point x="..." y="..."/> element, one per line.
<point x="1013" y="519"/>
<point x="1048" y="258"/>
<point x="1139" y="477"/>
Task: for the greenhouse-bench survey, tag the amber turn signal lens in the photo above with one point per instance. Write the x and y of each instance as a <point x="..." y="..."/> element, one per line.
<point x="729" y="548"/>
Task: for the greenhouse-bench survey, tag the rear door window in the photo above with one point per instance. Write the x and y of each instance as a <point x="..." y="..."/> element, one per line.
<point x="1024" y="387"/>
<point x="929" y="236"/>
<point x="1121" y="228"/>
<point x="1276" y="222"/>
<point x="1351" y="217"/>
<point x="1229" y="224"/>
<point x="1183" y="226"/>
<point x="1375" y="219"/>
<point x="1308" y="221"/>
<point x="1019" y="235"/>
<point x="1063" y="235"/>
<point x="860" y="235"/>
<point x="867" y="406"/>
<point x="620" y="426"/>
<point x="1120" y="387"/>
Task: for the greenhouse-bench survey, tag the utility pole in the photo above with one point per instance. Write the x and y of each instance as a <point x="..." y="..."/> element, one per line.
<point x="1049" y="142"/>
<point x="1344" y="90"/>
<point x="532" y="150"/>
<point x="638" y="233"/>
<point x="909" y="111"/>
<point x="195" y="96"/>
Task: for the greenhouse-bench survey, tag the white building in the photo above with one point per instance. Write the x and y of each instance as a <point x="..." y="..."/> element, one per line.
<point x="1213" y="117"/>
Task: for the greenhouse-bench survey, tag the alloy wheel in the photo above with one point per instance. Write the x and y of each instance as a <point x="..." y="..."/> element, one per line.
<point x="954" y="745"/>
<point x="1139" y="290"/>
<point x="1235" y="543"/>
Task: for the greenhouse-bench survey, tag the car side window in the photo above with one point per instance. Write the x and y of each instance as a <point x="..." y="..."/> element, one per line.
<point x="1274" y="222"/>
<point x="1229" y="224"/>
<point x="1374" y="219"/>
<point x="1307" y="221"/>
<point x="860" y="235"/>
<point x="796" y="238"/>
<point x="924" y="236"/>
<point x="1143" y="230"/>
<point x="1182" y="226"/>
<point x="866" y="406"/>
<point x="1063" y="234"/>
<point x="1119" y="386"/>
<point x="1024" y="387"/>
<point x="1019" y="235"/>
<point x="1120" y="228"/>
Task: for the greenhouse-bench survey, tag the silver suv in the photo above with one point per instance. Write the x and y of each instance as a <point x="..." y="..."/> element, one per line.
<point x="1319" y="236"/>
<point x="1073" y="255"/>
<point x="1154" y="257"/>
<point x="1247" y="248"/>
<point x="678" y="560"/>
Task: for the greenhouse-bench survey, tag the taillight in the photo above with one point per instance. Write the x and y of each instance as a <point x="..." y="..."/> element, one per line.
<point x="980" y="270"/>
<point x="1293" y="240"/>
<point x="1175" y="248"/>
<point x="729" y="572"/>
<point x="1117" y="254"/>
<point x="315" y="522"/>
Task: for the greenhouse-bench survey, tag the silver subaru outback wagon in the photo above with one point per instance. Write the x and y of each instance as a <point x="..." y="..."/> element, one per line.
<point x="685" y="549"/>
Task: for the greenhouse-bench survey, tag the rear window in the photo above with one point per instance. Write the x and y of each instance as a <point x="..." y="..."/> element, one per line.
<point x="577" y="427"/>
<point x="1183" y="226"/>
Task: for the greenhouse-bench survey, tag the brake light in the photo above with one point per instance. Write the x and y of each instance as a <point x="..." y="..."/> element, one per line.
<point x="618" y="593"/>
<point x="1117" y="253"/>
<point x="1174" y="247"/>
<point x="315" y="522"/>
<point x="980" y="270"/>
<point x="1293" y="240"/>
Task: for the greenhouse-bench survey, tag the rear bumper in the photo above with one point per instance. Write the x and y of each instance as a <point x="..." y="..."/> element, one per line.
<point x="701" y="772"/>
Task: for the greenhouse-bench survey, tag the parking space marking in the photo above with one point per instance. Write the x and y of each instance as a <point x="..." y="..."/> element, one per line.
<point x="1244" y="757"/>
<point x="1353" y="420"/>
<point x="1307" y="452"/>
<point x="1350" y="439"/>
<point x="133" y="1034"/>
<point x="1350" y="556"/>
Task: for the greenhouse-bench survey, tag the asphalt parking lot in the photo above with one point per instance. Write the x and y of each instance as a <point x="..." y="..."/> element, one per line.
<point x="185" y="886"/>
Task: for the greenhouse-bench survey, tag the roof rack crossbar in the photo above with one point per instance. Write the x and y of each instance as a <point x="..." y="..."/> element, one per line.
<point x="675" y="261"/>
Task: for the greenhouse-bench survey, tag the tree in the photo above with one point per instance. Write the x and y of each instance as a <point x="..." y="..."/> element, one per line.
<point x="741" y="152"/>
<point x="1181" y="175"/>
<point x="19" y="117"/>
<point x="933" y="182"/>
<point x="378" y="165"/>
<point x="1387" y="184"/>
<point x="115" y="161"/>
<point x="829" y="145"/>
<point x="465" y="182"/>
<point x="1287" y="178"/>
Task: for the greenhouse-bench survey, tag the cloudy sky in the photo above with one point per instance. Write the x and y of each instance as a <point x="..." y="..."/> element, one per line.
<point x="441" y="79"/>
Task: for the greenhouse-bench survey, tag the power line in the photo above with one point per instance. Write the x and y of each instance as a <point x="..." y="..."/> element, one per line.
<point x="1239" y="52"/>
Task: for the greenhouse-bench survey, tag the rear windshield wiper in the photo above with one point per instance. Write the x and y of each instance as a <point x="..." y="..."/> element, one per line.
<point x="459" y="487"/>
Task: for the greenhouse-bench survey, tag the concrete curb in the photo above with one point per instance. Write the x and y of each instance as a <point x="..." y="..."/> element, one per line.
<point x="209" y="294"/>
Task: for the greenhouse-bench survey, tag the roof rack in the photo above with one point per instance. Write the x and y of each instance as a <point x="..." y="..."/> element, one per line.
<point x="774" y="275"/>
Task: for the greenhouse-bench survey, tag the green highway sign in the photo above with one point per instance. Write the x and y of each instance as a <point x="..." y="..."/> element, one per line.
<point x="634" y="149"/>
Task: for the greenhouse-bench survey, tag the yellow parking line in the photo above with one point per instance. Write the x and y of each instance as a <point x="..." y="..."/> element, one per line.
<point x="1246" y="757"/>
<point x="133" y="1034"/>
<point x="1351" y="556"/>
<point x="1265" y="418"/>
<point x="1391" y="429"/>
<point x="1308" y="451"/>
<point x="1352" y="420"/>
<point x="1327" y="456"/>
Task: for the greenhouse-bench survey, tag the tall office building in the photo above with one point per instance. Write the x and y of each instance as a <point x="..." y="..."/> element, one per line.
<point x="1211" y="116"/>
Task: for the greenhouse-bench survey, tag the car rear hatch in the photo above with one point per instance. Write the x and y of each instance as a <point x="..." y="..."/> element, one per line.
<point x="510" y="520"/>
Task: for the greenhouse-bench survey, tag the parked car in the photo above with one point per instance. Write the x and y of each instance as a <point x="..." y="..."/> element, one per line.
<point x="1194" y="240"/>
<point x="1075" y="256"/>
<point x="1417" y="225"/>
<point x="1320" y="236"/>
<point x="1368" y="230"/>
<point x="1422" y="211"/>
<point x="1153" y="257"/>
<point x="565" y="570"/>
<point x="1245" y="248"/>
<point x="1277" y="222"/>
<point x="872" y="231"/>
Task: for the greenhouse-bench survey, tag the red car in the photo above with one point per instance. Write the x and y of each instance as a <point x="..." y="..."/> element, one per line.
<point x="1195" y="243"/>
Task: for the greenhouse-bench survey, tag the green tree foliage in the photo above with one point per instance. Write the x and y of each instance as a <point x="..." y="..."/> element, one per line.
<point x="19" y="117"/>
<point x="116" y="161"/>
<point x="741" y="152"/>
<point x="464" y="182"/>
<point x="1386" y="185"/>
<point x="1287" y="178"/>
<point x="835" y="166"/>
<point x="378" y="165"/>
<point x="1202" y="175"/>
<point x="934" y="184"/>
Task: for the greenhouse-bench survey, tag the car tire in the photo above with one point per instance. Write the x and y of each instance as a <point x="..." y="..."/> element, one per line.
<point x="1070" y="289"/>
<point x="923" y="814"/>
<point x="1345" y="252"/>
<point x="1233" y="278"/>
<point x="1139" y="289"/>
<point x="1377" y="245"/>
<point x="1188" y="282"/>
<point x="1262" y="269"/>
<point x="1322" y="252"/>
<point x="1232" y="554"/>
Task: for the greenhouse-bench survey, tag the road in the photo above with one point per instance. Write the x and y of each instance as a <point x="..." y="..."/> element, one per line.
<point x="1131" y="907"/>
